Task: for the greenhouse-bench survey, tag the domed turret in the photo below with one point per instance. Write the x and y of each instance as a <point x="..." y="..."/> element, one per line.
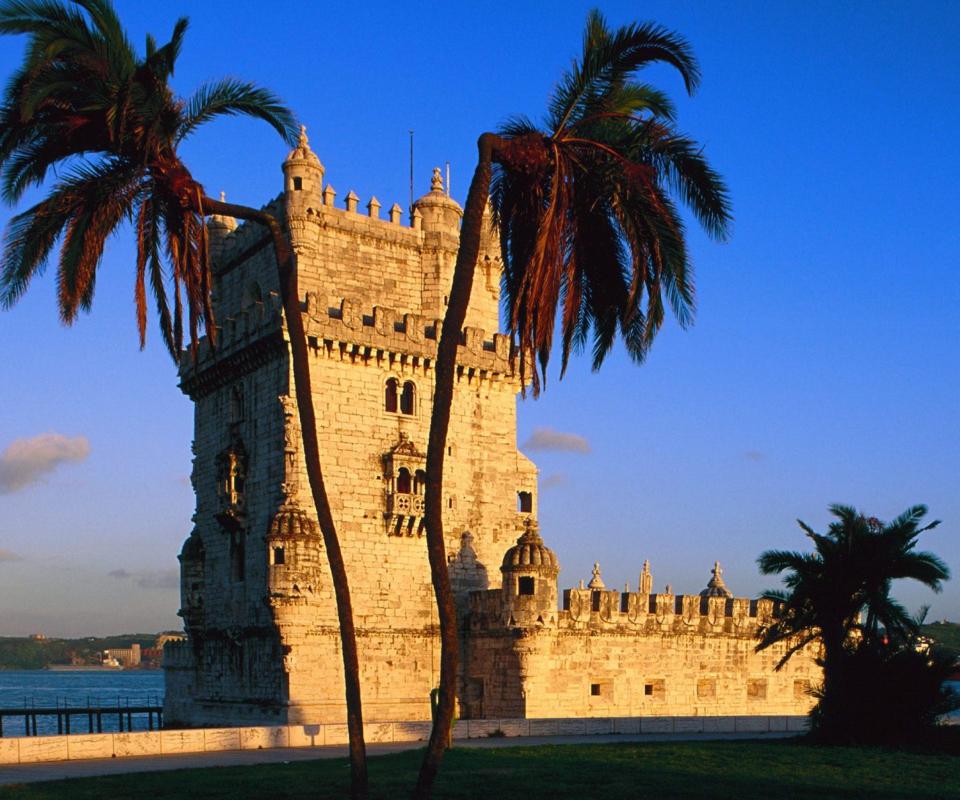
<point x="219" y="227"/>
<point x="303" y="191"/>
<point x="293" y="554"/>
<point x="438" y="210"/>
<point x="530" y="572"/>
<point x="192" y="581"/>
<point x="303" y="162"/>
<point x="715" y="587"/>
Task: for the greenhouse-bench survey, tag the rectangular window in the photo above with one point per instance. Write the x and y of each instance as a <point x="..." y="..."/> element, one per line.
<point x="278" y="555"/>
<point x="525" y="502"/>
<point x="298" y="184"/>
<point x="601" y="691"/>
<point x="655" y="689"/>
<point x="525" y="585"/>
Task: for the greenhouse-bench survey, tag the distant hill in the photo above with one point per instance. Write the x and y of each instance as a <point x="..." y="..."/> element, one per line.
<point x="24" y="653"/>
<point x="946" y="635"/>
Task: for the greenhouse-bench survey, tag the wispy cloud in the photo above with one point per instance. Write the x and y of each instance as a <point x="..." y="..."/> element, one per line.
<point x="149" y="578"/>
<point x="183" y="480"/>
<point x="754" y="455"/>
<point x="28" y="461"/>
<point x="548" y="439"/>
<point x="556" y="479"/>
<point x="8" y="556"/>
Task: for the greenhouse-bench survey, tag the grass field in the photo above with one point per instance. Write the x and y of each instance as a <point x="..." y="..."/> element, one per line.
<point x="780" y="769"/>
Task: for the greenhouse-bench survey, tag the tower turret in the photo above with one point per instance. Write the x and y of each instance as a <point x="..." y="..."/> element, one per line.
<point x="219" y="227"/>
<point x="439" y="211"/>
<point x="303" y="190"/>
<point x="530" y="572"/>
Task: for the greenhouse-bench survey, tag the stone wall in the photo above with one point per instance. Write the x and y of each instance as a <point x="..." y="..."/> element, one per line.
<point x="78" y="747"/>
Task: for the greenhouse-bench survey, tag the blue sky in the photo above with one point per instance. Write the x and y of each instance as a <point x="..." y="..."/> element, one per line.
<point x="823" y="365"/>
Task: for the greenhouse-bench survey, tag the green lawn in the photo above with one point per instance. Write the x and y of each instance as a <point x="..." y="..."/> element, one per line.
<point x="777" y="769"/>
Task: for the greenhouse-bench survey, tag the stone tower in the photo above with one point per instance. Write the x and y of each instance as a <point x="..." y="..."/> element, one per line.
<point x="256" y="596"/>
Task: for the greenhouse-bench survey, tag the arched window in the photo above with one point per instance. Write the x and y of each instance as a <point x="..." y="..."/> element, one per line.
<point x="403" y="481"/>
<point x="407" y="398"/>
<point x="419" y="482"/>
<point x="390" y="398"/>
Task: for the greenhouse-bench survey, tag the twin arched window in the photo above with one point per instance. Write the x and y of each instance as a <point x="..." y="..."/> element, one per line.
<point x="400" y="399"/>
<point x="407" y="485"/>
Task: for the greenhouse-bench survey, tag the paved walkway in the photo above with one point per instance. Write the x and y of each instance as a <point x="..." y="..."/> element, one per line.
<point x="57" y="770"/>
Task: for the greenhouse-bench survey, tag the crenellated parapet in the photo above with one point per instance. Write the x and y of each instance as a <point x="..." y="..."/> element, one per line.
<point x="351" y="331"/>
<point x="595" y="609"/>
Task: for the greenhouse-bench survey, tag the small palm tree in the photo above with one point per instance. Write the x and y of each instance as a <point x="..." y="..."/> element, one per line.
<point x="85" y="105"/>
<point x="586" y="206"/>
<point x="839" y="596"/>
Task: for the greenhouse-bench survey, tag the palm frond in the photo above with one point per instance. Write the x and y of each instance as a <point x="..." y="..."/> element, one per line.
<point x="230" y="97"/>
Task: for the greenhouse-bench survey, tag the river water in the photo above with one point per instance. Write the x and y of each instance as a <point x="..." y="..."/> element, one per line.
<point x="76" y="689"/>
<point x="52" y="689"/>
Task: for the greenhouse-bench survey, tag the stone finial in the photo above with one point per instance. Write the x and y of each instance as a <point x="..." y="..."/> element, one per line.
<point x="715" y="587"/>
<point x="668" y="589"/>
<point x="223" y="197"/>
<point x="352" y="201"/>
<point x="329" y="195"/>
<point x="417" y="219"/>
<point x="373" y="208"/>
<point x="302" y="151"/>
<point x="581" y="584"/>
<point x="436" y="182"/>
<point x="395" y="214"/>
<point x="646" y="578"/>
<point x="597" y="582"/>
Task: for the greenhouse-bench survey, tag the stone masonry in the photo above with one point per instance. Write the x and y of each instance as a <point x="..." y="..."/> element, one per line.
<point x="257" y="602"/>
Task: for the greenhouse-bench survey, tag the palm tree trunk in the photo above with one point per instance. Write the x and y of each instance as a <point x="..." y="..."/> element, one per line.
<point x="311" y="451"/>
<point x="445" y="368"/>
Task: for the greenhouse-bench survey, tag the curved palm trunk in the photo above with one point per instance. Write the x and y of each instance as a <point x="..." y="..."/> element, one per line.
<point x="445" y="368"/>
<point x="311" y="452"/>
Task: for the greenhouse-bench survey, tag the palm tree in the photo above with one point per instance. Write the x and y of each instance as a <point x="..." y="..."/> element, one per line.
<point x="588" y="220"/>
<point x="839" y="596"/>
<point x="85" y="105"/>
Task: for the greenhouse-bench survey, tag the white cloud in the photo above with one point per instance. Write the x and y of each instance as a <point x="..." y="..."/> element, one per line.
<point x="150" y="578"/>
<point x="549" y="439"/>
<point x="28" y="461"/>
<point x="754" y="455"/>
<point x="7" y="556"/>
<point x="556" y="479"/>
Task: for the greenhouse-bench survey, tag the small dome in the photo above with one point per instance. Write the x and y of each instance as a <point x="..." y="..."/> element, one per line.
<point x="192" y="548"/>
<point x="437" y="207"/>
<point x="292" y="522"/>
<point x="715" y="587"/>
<point x="302" y="151"/>
<point x="530" y="551"/>
<point x="220" y="224"/>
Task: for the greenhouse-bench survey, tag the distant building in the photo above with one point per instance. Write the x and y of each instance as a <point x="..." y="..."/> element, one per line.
<point x="262" y="640"/>
<point x="127" y="657"/>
